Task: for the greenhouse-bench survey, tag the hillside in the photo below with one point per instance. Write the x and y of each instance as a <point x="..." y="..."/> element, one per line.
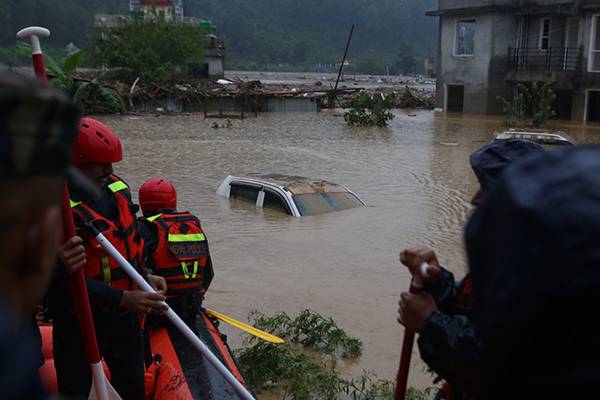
<point x="263" y="33"/>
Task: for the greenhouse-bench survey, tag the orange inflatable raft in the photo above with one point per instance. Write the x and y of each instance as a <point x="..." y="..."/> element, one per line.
<point x="178" y="371"/>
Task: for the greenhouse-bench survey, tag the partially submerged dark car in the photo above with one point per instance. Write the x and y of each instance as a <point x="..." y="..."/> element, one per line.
<point x="293" y="195"/>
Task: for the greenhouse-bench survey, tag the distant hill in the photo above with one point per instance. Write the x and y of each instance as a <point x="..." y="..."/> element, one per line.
<point x="262" y="33"/>
<point x="313" y="31"/>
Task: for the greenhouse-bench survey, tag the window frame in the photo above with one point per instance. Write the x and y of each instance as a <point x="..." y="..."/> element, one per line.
<point x="593" y="51"/>
<point x="282" y="200"/>
<point x="243" y="185"/>
<point x="542" y="37"/>
<point x="456" y="23"/>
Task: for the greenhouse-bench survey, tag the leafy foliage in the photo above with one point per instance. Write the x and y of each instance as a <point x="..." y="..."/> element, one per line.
<point x="151" y="49"/>
<point x="370" y="109"/>
<point x="533" y="99"/>
<point x="541" y="97"/>
<point x="311" y="330"/>
<point x="93" y="96"/>
<point x="98" y="99"/>
<point x="296" y="374"/>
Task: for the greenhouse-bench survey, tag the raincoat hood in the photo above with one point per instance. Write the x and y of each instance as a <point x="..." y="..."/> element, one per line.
<point x="489" y="161"/>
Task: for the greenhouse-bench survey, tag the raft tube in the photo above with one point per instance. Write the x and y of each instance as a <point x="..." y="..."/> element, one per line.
<point x="178" y="371"/>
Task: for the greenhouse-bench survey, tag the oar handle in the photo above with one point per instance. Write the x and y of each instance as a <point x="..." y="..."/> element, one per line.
<point x="416" y="286"/>
<point x="77" y="283"/>
<point x="83" y="310"/>
<point x="33" y="33"/>
<point x="172" y="316"/>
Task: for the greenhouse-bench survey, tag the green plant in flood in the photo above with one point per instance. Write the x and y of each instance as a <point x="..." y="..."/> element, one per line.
<point x="92" y="95"/>
<point x="370" y="110"/>
<point x="533" y="99"/>
<point x="294" y="374"/>
<point x="311" y="330"/>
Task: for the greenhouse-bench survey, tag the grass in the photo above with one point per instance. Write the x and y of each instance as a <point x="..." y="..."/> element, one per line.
<point x="305" y="367"/>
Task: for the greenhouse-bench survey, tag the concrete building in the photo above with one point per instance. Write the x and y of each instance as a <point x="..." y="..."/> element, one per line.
<point x="487" y="46"/>
<point x="169" y="10"/>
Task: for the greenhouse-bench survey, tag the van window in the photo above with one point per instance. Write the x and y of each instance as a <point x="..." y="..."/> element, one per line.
<point x="275" y="202"/>
<point x="244" y="192"/>
<point x="319" y="203"/>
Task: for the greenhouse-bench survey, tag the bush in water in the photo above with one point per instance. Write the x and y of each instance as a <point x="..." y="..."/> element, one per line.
<point x="370" y="110"/>
<point x="305" y="367"/>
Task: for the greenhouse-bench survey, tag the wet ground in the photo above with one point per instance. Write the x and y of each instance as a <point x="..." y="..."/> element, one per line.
<point x="414" y="176"/>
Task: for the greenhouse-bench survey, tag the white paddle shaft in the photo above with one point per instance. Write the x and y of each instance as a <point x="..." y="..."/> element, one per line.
<point x="101" y="387"/>
<point x="174" y="318"/>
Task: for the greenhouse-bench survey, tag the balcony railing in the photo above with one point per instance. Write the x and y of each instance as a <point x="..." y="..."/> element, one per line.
<point x="552" y="59"/>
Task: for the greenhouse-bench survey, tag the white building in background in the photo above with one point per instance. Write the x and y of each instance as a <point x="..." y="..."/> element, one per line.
<point x="169" y="10"/>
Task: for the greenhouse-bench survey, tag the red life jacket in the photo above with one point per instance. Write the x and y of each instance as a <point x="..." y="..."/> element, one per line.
<point x="122" y="233"/>
<point x="181" y="253"/>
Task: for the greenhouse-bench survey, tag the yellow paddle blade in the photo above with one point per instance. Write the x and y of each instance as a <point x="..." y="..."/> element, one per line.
<point x="246" y="328"/>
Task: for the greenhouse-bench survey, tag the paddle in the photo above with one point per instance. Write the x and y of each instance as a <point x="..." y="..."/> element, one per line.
<point x="245" y="327"/>
<point x="416" y="286"/>
<point x="101" y="388"/>
<point x="172" y="316"/>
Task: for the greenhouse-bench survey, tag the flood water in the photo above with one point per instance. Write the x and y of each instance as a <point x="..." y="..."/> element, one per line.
<point x="414" y="176"/>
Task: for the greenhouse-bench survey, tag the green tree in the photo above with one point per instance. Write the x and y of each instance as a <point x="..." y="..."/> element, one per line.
<point x="370" y="109"/>
<point x="533" y="99"/>
<point x="541" y="97"/>
<point x="150" y="49"/>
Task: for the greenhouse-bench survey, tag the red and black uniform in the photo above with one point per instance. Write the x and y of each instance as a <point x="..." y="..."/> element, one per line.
<point x="121" y="231"/>
<point x="118" y="331"/>
<point x="449" y="343"/>
<point x="177" y="250"/>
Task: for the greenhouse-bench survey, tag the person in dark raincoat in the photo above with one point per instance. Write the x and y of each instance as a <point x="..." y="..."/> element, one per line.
<point x="442" y="315"/>
<point x="534" y="252"/>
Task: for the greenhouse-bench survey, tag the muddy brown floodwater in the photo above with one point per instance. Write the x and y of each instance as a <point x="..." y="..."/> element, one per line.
<point x="414" y="176"/>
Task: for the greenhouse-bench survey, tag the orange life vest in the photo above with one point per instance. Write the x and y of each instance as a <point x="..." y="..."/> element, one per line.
<point x="181" y="253"/>
<point x="122" y="233"/>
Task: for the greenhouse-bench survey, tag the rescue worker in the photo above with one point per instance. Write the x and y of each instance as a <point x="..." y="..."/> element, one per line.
<point x="117" y="303"/>
<point x="37" y="130"/>
<point x="442" y="315"/>
<point x="534" y="253"/>
<point x="177" y="248"/>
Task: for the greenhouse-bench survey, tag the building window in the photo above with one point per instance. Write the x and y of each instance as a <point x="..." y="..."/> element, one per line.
<point x="465" y="38"/>
<point x="594" y="63"/>
<point x="544" y="34"/>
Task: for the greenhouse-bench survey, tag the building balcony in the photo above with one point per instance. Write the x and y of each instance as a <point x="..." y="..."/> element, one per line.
<point x="552" y="59"/>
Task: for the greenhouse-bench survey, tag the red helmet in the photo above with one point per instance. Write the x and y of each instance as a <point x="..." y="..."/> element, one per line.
<point x="96" y="143"/>
<point x="157" y="194"/>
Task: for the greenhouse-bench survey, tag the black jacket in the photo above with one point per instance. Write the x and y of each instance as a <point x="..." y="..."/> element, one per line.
<point x="449" y="343"/>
